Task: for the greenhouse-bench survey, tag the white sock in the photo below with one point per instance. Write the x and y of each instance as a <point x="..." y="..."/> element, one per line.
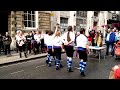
<point x="68" y="58"/>
<point x="81" y="60"/>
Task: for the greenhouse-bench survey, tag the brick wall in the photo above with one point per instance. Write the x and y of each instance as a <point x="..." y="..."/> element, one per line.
<point x="44" y="21"/>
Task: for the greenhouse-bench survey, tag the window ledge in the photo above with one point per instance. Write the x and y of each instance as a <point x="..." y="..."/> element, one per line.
<point x="28" y="28"/>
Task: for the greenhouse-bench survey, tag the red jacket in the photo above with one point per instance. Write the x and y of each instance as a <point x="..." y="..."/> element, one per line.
<point x="90" y="38"/>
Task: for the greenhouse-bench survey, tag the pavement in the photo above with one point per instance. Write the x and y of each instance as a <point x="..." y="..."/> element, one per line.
<point x="14" y="58"/>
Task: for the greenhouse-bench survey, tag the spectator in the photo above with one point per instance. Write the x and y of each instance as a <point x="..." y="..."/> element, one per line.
<point x="98" y="39"/>
<point x="21" y="40"/>
<point x="90" y="38"/>
<point x="42" y="42"/>
<point x="110" y="40"/>
<point x="115" y="73"/>
<point x="117" y="35"/>
<point x="7" y="41"/>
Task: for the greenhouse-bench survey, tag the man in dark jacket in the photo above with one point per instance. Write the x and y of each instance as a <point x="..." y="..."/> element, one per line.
<point x="110" y="40"/>
<point x="7" y="41"/>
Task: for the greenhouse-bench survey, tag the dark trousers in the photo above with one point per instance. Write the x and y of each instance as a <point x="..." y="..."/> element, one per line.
<point x="83" y="60"/>
<point x="69" y="50"/>
<point x="42" y="45"/>
<point x="28" y="44"/>
<point x="112" y="48"/>
<point x="57" y="52"/>
<point x="22" y="48"/>
<point x="36" y="47"/>
<point x="83" y="55"/>
<point x="94" y="44"/>
<point x="0" y="47"/>
<point x="17" y="49"/>
<point x="7" y="49"/>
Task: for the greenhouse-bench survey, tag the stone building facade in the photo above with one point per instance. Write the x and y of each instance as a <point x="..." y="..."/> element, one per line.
<point x="33" y="20"/>
<point x="97" y="20"/>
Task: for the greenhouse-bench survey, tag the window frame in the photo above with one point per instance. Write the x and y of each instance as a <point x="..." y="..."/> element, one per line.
<point x="36" y="22"/>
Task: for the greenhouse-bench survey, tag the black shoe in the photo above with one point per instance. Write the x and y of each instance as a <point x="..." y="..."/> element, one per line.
<point x="47" y="61"/>
<point x="82" y="74"/>
<point x="49" y="65"/>
<point x="20" y="55"/>
<point x="61" y="66"/>
<point x="57" y="68"/>
<point x="70" y="70"/>
<point x="55" y="62"/>
<point x="25" y="55"/>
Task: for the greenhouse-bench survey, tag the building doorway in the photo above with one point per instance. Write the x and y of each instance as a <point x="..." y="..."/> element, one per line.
<point x="3" y="22"/>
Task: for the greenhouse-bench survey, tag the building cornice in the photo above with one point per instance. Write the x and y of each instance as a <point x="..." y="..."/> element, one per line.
<point x="45" y="11"/>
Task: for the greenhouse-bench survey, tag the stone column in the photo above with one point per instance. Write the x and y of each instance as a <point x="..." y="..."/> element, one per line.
<point x="106" y="16"/>
<point x="101" y="21"/>
<point x="72" y="19"/>
<point x="44" y="20"/>
<point x="13" y="29"/>
<point x="19" y="19"/>
<point x="90" y="20"/>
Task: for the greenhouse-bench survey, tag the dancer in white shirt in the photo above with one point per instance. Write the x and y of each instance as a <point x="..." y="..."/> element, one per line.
<point x="21" y="44"/>
<point x="57" y="45"/>
<point x="49" y="42"/>
<point x="68" y="39"/>
<point x="82" y="47"/>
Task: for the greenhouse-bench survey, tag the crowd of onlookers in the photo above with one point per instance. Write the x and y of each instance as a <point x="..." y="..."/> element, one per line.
<point x="34" y="40"/>
<point x="30" y="42"/>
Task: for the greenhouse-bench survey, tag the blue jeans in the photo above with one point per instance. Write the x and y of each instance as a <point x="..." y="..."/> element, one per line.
<point x="109" y="45"/>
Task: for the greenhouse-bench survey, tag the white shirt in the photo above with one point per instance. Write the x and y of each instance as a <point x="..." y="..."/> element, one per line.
<point x="57" y="41"/>
<point x="49" y="40"/>
<point x="45" y="38"/>
<point x="108" y="36"/>
<point x="81" y="41"/>
<point x="72" y="37"/>
<point x="37" y="38"/>
<point x="42" y="36"/>
<point x="16" y="37"/>
<point x="20" y="40"/>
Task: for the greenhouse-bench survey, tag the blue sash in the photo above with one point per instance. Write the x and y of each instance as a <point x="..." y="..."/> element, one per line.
<point x="57" y="46"/>
<point x="49" y="47"/>
<point x="81" y="49"/>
